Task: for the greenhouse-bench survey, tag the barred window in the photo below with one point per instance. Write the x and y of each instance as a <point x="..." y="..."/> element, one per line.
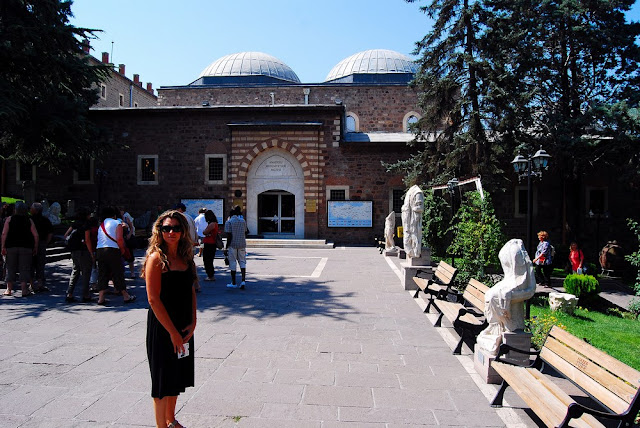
<point x="215" y="169"/>
<point x="337" y="195"/>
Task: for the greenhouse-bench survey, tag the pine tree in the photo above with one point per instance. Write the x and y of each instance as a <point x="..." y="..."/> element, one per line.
<point x="45" y="86"/>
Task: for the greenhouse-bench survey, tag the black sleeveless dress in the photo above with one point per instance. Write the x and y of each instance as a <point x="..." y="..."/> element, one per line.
<point x="169" y="375"/>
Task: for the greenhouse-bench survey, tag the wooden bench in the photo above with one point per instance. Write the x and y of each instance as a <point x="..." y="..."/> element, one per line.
<point x="442" y="279"/>
<point x="467" y="314"/>
<point x="605" y="379"/>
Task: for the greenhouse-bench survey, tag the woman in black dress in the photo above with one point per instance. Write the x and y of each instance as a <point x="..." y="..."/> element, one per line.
<point x="170" y="274"/>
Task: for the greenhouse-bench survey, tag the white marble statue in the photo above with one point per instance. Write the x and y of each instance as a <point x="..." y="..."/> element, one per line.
<point x="389" y="231"/>
<point x="504" y="302"/>
<point x="412" y="221"/>
<point x="54" y="213"/>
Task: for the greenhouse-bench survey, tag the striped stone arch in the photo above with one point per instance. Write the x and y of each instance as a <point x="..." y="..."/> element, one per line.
<point x="271" y="143"/>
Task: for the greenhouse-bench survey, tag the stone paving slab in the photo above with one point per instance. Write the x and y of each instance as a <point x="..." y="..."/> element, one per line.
<point x="320" y="338"/>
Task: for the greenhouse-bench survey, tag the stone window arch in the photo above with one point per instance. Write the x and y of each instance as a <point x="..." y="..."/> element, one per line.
<point x="351" y="122"/>
<point x="409" y="119"/>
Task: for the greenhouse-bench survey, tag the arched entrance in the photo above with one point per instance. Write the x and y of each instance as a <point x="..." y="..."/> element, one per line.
<point x="275" y="195"/>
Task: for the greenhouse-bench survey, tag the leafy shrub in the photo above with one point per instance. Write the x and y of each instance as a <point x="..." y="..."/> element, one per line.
<point x="581" y="286"/>
<point x="540" y="327"/>
<point x="634" y="258"/>
<point x="477" y="237"/>
<point x="634" y="307"/>
<point x="434" y="224"/>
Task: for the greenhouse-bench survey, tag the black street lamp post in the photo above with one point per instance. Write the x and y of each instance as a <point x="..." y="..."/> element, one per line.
<point x="530" y="167"/>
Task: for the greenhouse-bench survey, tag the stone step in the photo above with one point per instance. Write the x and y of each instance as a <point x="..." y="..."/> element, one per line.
<point x="57" y="252"/>
<point x="289" y="243"/>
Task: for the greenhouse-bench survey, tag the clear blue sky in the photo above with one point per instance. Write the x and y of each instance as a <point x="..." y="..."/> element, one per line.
<point x="171" y="42"/>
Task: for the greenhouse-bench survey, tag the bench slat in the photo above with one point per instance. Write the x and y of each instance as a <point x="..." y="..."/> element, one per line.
<point x="571" y="365"/>
<point x="618" y="368"/>
<point x="544" y="397"/>
<point x="445" y="277"/>
<point x="422" y="283"/>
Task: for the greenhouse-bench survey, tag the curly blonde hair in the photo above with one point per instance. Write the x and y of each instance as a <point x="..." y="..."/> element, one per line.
<point x="158" y="245"/>
<point x="543" y="234"/>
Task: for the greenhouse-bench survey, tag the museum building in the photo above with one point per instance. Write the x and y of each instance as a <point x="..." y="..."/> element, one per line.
<point x="303" y="160"/>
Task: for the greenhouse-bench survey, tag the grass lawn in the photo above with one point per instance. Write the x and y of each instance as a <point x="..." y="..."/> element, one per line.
<point x="614" y="335"/>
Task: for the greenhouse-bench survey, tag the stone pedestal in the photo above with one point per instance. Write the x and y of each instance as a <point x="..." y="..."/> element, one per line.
<point x="412" y="266"/>
<point x="402" y="254"/>
<point x="482" y="363"/>
<point x="563" y="302"/>
<point x="393" y="252"/>
<point x="482" y="360"/>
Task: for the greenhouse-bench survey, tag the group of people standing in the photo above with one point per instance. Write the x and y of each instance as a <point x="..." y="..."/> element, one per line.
<point x="103" y="245"/>
<point x="24" y="244"/>
<point x="545" y="253"/>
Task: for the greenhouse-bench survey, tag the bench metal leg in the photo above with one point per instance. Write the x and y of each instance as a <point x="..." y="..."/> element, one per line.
<point x="458" y="349"/>
<point x="429" y="305"/>
<point x="439" y="320"/>
<point x="497" y="400"/>
<point x="415" y="295"/>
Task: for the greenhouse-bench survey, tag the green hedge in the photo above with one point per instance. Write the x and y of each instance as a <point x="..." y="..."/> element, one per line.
<point x="581" y="286"/>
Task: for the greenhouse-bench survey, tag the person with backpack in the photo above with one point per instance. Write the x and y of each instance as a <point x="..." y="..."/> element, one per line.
<point x="78" y="239"/>
<point x="544" y="259"/>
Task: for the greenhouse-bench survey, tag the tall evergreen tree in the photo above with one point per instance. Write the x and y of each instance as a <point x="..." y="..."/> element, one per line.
<point x="45" y="85"/>
<point x="453" y="137"/>
<point x="503" y="75"/>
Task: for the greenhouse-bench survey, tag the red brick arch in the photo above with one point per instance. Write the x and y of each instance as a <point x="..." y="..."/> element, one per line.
<point x="271" y="143"/>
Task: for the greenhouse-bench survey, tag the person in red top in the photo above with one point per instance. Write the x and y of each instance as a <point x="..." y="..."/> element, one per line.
<point x="209" y="250"/>
<point x="576" y="257"/>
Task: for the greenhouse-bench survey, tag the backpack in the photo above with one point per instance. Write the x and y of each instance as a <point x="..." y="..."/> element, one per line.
<point x="552" y="251"/>
<point x="75" y="240"/>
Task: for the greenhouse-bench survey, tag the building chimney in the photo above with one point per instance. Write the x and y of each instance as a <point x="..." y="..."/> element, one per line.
<point x="86" y="46"/>
<point x="121" y="69"/>
<point x="105" y="57"/>
<point x="149" y="87"/>
<point x="136" y="80"/>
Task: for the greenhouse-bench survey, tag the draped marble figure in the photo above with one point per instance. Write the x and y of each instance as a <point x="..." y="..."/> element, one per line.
<point x="412" y="221"/>
<point x="389" y="229"/>
<point x="504" y="302"/>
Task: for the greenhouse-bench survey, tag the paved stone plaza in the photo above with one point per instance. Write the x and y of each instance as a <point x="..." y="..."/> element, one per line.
<point x="320" y="338"/>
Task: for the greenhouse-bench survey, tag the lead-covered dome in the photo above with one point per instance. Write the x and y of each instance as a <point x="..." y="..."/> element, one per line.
<point x="249" y="64"/>
<point x="372" y="62"/>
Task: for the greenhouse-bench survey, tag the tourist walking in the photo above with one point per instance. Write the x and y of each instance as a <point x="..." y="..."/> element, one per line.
<point x="544" y="259"/>
<point x="209" y="249"/>
<point x="201" y="224"/>
<point x="576" y="258"/>
<point x="236" y="249"/>
<point x="110" y="249"/>
<point x="170" y="274"/>
<point x="19" y="245"/>
<point x="45" y="234"/>
<point x="78" y="238"/>
<point x="129" y="231"/>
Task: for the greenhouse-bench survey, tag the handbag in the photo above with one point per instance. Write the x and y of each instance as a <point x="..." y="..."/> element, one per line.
<point x="219" y="243"/>
<point x="126" y="255"/>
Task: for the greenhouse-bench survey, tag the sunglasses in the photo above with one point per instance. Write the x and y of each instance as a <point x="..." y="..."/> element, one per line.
<point x="166" y="229"/>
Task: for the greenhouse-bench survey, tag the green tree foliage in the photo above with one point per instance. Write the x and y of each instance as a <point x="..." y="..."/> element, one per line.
<point x="434" y="223"/>
<point x="634" y="259"/>
<point x="570" y="80"/>
<point x="477" y="237"/>
<point x="45" y="86"/>
<point x="498" y="76"/>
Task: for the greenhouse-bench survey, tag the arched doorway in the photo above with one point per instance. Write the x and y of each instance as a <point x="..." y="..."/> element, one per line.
<point x="276" y="213"/>
<point x="275" y="187"/>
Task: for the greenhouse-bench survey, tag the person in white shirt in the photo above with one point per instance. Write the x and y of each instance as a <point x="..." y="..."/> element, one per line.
<point x="201" y="225"/>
